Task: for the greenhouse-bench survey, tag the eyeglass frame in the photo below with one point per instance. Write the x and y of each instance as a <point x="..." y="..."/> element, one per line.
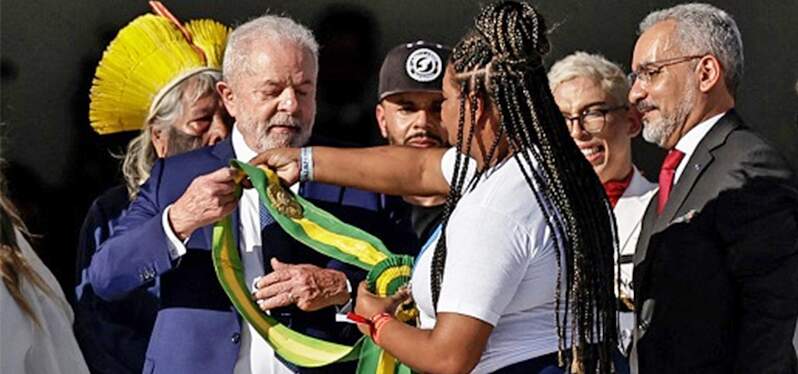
<point x="580" y="119"/>
<point x="653" y="68"/>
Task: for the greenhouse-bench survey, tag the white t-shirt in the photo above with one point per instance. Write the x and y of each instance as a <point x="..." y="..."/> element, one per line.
<point x="501" y="267"/>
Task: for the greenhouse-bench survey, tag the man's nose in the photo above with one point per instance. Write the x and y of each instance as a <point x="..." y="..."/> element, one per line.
<point x="288" y="101"/>
<point x="218" y="130"/>
<point x="426" y="119"/>
<point x="636" y="92"/>
<point x="575" y="128"/>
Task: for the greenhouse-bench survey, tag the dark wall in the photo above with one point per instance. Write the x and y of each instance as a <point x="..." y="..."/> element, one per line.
<point x="50" y="48"/>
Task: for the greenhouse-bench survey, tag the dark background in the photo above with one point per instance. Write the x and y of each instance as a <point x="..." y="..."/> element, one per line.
<point x="55" y="163"/>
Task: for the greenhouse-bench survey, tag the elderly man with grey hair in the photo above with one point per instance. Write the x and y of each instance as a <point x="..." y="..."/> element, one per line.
<point x="716" y="265"/>
<point x="269" y="87"/>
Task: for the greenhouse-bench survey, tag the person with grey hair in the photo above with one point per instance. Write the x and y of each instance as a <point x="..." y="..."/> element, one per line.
<point x="269" y="86"/>
<point x="591" y="93"/>
<point x="716" y="265"/>
<point x="180" y="112"/>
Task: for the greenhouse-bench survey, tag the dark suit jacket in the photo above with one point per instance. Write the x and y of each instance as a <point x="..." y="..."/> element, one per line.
<point x="113" y="335"/>
<point x="716" y="274"/>
<point x="196" y="329"/>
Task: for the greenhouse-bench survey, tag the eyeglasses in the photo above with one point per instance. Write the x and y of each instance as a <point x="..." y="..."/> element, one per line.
<point x="646" y="72"/>
<point x="591" y="120"/>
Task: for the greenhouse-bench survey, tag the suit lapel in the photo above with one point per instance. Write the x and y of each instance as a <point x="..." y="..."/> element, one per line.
<point x="700" y="160"/>
<point x="223" y="151"/>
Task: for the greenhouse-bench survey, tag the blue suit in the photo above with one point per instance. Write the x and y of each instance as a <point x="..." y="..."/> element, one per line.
<point x="197" y="329"/>
<point x="113" y="336"/>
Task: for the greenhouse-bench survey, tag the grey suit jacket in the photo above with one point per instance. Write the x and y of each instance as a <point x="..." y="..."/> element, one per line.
<point x="716" y="274"/>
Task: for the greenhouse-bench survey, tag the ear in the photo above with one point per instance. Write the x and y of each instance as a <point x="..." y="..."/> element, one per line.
<point x="379" y="111"/>
<point x="159" y="142"/>
<point x="482" y="112"/>
<point x="635" y="123"/>
<point x="228" y="99"/>
<point x="710" y="73"/>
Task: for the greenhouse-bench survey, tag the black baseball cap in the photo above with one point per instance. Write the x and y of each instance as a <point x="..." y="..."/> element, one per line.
<point x="413" y="67"/>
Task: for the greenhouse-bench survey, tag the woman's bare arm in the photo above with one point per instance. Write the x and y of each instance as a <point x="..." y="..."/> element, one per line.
<point x="390" y="169"/>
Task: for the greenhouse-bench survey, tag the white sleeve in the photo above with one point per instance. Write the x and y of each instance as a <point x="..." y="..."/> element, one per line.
<point x="17" y="332"/>
<point x="486" y="260"/>
<point x="447" y="165"/>
<point x="176" y="247"/>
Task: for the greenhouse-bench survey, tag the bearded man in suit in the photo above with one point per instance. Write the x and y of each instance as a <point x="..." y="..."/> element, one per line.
<point x="716" y="266"/>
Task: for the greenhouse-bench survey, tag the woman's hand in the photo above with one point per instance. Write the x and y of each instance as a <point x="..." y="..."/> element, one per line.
<point x="284" y="161"/>
<point x="369" y="305"/>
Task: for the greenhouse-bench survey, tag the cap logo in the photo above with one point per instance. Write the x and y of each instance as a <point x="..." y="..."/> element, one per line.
<point x="424" y="65"/>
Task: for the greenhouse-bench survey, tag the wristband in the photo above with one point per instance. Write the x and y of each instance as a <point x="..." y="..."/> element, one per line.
<point x="305" y="164"/>
<point x="379" y="321"/>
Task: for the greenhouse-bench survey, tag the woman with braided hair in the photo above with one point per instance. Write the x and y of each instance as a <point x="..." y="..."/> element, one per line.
<point x="520" y="280"/>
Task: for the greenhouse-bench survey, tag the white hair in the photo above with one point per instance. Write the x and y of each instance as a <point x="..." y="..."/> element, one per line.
<point x="607" y="74"/>
<point x="703" y="28"/>
<point x="266" y="27"/>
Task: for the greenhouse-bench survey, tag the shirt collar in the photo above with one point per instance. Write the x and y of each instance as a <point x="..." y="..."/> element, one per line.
<point x="240" y="148"/>
<point x="689" y="142"/>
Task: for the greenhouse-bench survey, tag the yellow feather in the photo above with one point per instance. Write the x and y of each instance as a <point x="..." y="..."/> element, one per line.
<point x="144" y="57"/>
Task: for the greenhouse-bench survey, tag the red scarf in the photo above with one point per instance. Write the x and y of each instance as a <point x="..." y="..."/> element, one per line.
<point x="615" y="189"/>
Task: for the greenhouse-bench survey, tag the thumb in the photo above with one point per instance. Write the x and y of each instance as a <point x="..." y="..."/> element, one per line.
<point x="277" y="265"/>
<point x="400" y="296"/>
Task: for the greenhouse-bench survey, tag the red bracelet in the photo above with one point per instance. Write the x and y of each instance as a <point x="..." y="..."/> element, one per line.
<point x="357" y="318"/>
<point x="379" y="321"/>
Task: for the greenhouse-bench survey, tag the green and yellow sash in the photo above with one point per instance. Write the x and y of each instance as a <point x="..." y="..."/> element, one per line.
<point x="326" y="234"/>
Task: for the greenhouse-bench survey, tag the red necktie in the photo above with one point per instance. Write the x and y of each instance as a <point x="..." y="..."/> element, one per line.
<point x="666" y="175"/>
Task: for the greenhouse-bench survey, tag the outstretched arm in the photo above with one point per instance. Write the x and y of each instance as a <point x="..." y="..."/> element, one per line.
<point x="390" y="169"/>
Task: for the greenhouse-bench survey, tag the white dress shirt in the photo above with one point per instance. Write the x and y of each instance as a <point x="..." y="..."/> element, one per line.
<point x="689" y="142"/>
<point x="255" y="356"/>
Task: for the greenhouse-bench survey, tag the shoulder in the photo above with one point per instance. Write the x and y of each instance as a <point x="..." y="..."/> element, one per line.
<point x="110" y="204"/>
<point x="746" y="152"/>
<point x="181" y="169"/>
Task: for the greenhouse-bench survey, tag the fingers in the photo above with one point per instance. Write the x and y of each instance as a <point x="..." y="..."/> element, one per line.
<point x="272" y="278"/>
<point x="223" y="175"/>
<point x="277" y="265"/>
<point x="363" y="290"/>
<point x="281" y="300"/>
<point x="273" y="290"/>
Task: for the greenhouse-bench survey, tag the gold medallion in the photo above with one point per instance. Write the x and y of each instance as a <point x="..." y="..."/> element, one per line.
<point x="284" y="202"/>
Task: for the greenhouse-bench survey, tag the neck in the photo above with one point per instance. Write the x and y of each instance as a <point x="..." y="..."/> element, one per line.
<point x="704" y="110"/>
<point x="623" y="174"/>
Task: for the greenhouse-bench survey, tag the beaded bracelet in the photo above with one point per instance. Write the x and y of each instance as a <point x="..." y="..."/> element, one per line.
<point x="379" y="321"/>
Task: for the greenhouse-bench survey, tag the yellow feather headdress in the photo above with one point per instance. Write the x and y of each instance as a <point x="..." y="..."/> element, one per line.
<point x="147" y="58"/>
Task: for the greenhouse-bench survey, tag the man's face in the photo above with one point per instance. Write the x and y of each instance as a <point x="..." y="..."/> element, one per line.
<point x="667" y="99"/>
<point x="273" y="98"/>
<point x="203" y="122"/>
<point x="413" y="119"/>
<point x="609" y="150"/>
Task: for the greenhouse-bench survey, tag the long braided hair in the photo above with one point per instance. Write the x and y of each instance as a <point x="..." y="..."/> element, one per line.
<point x="500" y="59"/>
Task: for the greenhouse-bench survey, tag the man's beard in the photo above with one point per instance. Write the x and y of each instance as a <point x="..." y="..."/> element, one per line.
<point x="179" y="142"/>
<point x="265" y="141"/>
<point x="658" y="130"/>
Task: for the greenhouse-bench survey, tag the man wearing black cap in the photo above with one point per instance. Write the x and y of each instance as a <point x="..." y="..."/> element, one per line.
<point x="409" y="113"/>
